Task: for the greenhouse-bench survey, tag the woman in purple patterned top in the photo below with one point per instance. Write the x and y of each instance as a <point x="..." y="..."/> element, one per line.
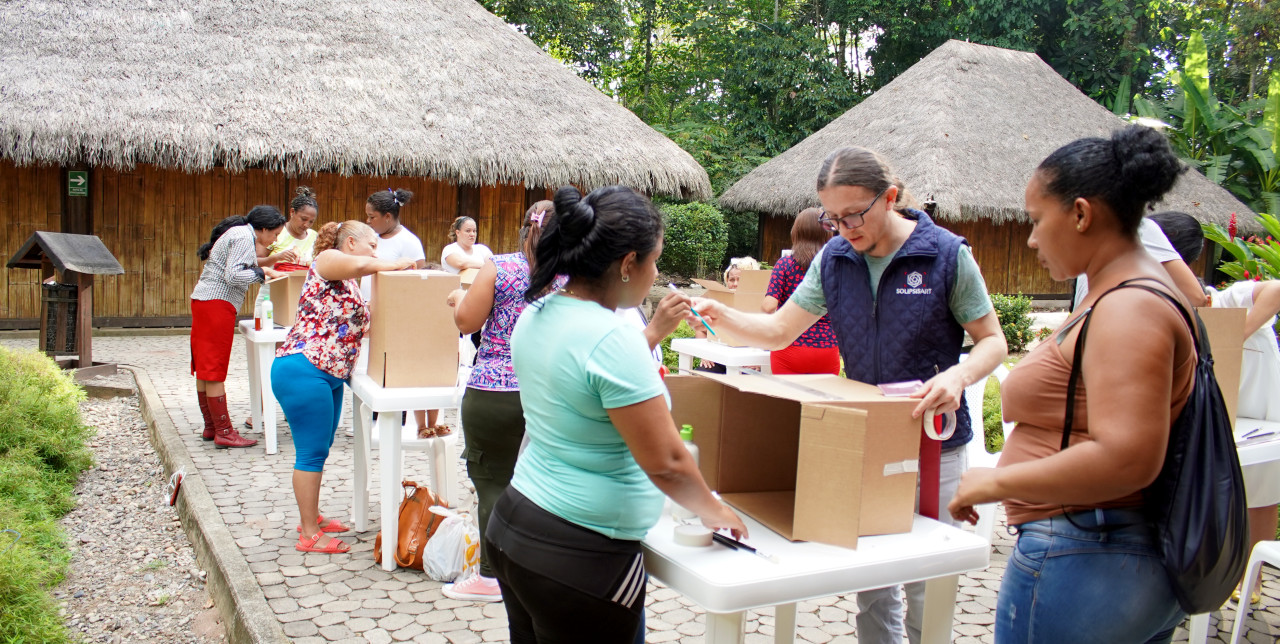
<point x="815" y="351"/>
<point x="492" y="418"/>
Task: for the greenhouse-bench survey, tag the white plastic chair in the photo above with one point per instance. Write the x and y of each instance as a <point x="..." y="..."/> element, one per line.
<point x="1267" y="552"/>
<point x="441" y="451"/>
<point x="977" y="449"/>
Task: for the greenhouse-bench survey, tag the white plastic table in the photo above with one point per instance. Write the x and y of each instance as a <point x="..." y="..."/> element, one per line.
<point x="729" y="582"/>
<point x="389" y="402"/>
<point x="735" y="357"/>
<point x="261" y="349"/>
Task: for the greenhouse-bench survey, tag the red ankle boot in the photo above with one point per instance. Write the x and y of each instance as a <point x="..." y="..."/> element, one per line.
<point x="208" y="433"/>
<point x="224" y="434"/>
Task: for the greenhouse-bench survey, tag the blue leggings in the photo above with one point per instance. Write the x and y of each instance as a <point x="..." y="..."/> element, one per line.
<point x="312" y="403"/>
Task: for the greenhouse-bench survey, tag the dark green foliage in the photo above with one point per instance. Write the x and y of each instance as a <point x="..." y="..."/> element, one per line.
<point x="1014" y="312"/>
<point x="670" y="358"/>
<point x="695" y="239"/>
<point x="42" y="452"/>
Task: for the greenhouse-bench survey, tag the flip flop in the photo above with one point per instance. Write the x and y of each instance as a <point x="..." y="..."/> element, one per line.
<point x="335" y="546"/>
<point x="332" y="525"/>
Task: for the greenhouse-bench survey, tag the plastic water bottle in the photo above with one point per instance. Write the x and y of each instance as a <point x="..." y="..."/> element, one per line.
<point x="686" y="435"/>
<point x="257" y="309"/>
<point x="679" y="512"/>
<point x="268" y="313"/>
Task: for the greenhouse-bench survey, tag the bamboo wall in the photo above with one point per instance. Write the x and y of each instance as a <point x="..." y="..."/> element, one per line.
<point x="153" y="219"/>
<point x="29" y="202"/>
<point x="1008" y="265"/>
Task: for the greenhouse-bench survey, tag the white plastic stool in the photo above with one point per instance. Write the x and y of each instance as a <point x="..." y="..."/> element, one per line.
<point x="1265" y="552"/>
<point x="441" y="462"/>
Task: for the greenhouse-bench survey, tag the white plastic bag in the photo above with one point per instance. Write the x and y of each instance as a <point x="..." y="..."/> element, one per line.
<point x="455" y="547"/>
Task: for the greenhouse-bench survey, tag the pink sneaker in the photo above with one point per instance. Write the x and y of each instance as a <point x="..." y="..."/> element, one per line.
<point x="473" y="588"/>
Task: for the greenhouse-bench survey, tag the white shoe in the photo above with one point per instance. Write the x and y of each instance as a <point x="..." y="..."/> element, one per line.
<point x="473" y="588"/>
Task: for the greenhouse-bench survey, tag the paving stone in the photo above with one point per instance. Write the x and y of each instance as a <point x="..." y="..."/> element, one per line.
<point x="496" y="635"/>
<point x="300" y="629"/>
<point x="447" y="627"/>
<point x="436" y="616"/>
<point x="409" y="632"/>
<point x="361" y="624"/>
<point x="462" y="637"/>
<point x="329" y="619"/>
<point x="316" y="599"/>
<point x="378" y="636"/>
<point x="299" y="615"/>
<point x="469" y="613"/>
<point x="312" y="590"/>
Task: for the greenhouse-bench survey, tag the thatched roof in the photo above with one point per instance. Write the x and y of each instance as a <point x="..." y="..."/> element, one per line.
<point x="438" y="88"/>
<point x="966" y="125"/>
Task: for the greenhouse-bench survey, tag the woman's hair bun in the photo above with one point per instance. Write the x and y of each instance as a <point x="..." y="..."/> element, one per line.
<point x="575" y="215"/>
<point x="403" y="196"/>
<point x="1148" y="166"/>
<point x="304" y="191"/>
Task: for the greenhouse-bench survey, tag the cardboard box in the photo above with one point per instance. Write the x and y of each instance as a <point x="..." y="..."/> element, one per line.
<point x="810" y="469"/>
<point x="748" y="297"/>
<point x="1225" y="328"/>
<point x="468" y="277"/>
<point x="412" y="339"/>
<point x="285" y="293"/>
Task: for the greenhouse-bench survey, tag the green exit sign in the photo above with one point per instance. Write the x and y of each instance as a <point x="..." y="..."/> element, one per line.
<point x="77" y="183"/>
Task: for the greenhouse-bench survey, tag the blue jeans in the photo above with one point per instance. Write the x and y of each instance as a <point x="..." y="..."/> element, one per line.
<point x="1067" y="584"/>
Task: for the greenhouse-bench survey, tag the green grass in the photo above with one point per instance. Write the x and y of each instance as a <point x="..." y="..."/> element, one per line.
<point x="42" y="452"/>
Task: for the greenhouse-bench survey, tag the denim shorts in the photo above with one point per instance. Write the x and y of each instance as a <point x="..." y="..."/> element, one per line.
<point x="1097" y="581"/>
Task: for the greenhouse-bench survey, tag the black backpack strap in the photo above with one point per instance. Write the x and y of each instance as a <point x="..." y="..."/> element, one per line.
<point x="1197" y="333"/>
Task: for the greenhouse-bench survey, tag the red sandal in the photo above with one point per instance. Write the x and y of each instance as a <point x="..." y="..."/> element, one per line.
<point x="332" y="525"/>
<point x="335" y="546"/>
<point x="442" y="430"/>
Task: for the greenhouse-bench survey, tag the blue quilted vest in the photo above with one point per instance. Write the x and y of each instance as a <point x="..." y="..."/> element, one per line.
<point x="907" y="332"/>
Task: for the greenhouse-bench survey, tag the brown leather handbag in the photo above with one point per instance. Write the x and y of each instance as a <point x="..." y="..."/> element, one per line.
<point x="417" y="524"/>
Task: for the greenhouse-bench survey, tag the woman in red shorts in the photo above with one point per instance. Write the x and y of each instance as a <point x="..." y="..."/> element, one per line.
<point x="230" y="266"/>
<point x="815" y="351"/>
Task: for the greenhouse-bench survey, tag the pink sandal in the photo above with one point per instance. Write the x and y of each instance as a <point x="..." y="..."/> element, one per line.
<point x="335" y="546"/>
<point x="332" y="525"/>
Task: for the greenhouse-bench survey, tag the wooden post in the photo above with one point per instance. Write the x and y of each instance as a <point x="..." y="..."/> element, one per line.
<point x="84" y="320"/>
<point x="77" y="213"/>
<point x="46" y="271"/>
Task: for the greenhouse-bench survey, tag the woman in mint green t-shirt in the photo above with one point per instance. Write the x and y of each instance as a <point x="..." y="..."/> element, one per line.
<point x="565" y="536"/>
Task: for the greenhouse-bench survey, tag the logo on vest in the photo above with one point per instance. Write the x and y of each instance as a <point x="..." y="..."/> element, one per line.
<point x="915" y="285"/>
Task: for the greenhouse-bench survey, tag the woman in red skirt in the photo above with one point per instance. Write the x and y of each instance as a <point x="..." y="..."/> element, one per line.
<point x="815" y="350"/>
<point x="230" y="266"/>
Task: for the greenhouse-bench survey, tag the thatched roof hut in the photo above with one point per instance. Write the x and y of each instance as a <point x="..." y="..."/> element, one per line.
<point x="146" y="122"/>
<point x="966" y="126"/>
<point x="438" y="88"/>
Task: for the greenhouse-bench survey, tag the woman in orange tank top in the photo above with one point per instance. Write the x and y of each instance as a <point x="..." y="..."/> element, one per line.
<point x="1084" y="568"/>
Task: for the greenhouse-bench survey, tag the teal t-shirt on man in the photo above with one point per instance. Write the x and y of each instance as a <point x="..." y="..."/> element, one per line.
<point x="576" y="360"/>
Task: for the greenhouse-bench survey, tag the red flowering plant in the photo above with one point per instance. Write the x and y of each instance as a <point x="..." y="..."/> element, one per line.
<point x="1254" y="258"/>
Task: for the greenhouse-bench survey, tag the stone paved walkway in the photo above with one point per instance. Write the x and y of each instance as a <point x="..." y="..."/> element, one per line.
<point x="346" y="598"/>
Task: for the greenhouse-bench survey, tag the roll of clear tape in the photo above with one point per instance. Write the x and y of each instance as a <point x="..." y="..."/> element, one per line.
<point x="694" y="536"/>
<point x="948" y="425"/>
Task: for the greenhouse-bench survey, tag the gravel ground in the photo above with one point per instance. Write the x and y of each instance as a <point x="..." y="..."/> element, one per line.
<point x="134" y="576"/>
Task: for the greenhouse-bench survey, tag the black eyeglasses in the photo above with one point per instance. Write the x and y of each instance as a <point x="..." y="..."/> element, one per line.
<point x="848" y="222"/>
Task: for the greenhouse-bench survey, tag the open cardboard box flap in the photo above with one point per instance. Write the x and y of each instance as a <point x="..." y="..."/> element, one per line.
<point x="809" y="468"/>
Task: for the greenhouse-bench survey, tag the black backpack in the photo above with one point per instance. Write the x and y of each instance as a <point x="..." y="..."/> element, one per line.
<point x="1196" y="505"/>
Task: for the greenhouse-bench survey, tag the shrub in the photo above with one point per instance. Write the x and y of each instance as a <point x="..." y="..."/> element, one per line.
<point x="42" y="452"/>
<point x="695" y="240"/>
<point x="993" y="432"/>
<point x="743" y="235"/>
<point x="670" y="358"/>
<point x="1014" y="312"/>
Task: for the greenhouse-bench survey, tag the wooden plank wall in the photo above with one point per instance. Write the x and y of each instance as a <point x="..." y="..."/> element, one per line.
<point x="30" y="201"/>
<point x="1008" y="265"/>
<point x="153" y="219"/>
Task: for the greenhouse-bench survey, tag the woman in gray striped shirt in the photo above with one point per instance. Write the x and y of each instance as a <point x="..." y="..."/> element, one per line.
<point x="230" y="266"/>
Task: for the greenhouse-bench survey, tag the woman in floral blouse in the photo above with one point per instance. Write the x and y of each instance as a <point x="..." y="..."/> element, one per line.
<point x="317" y="358"/>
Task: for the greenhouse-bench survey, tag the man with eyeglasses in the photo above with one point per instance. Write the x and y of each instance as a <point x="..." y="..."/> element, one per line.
<point x="900" y="293"/>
